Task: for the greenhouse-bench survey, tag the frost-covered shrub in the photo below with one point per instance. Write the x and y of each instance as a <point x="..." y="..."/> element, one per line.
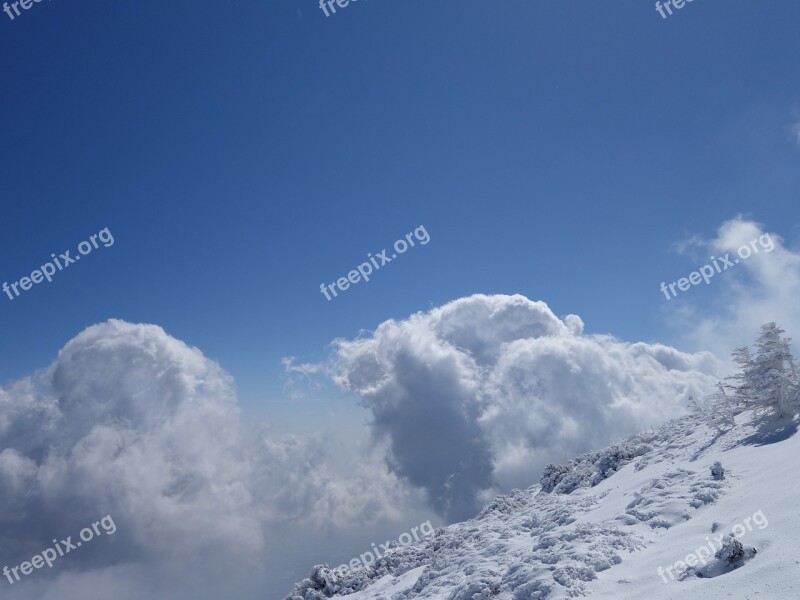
<point x="732" y="550"/>
<point x="507" y="504"/>
<point x="731" y="555"/>
<point x="552" y="476"/>
<point x="569" y="575"/>
<point x="587" y="470"/>
<point x="325" y="582"/>
<point x="321" y="583"/>
<point x="717" y="472"/>
<point x="482" y="589"/>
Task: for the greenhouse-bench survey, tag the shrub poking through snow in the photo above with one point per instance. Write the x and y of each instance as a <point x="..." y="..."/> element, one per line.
<point x="732" y="555"/>
<point x="717" y="472"/>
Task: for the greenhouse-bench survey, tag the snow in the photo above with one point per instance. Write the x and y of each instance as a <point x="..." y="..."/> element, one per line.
<point x="613" y="518"/>
<point x="385" y="587"/>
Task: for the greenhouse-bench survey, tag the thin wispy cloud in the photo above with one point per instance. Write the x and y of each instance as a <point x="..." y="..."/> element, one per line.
<point x="795" y="131"/>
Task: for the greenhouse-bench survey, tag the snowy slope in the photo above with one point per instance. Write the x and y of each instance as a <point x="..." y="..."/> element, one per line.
<point x="604" y="524"/>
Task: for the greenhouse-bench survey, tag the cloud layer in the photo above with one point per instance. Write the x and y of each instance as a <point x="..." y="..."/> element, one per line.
<point x="465" y="400"/>
<point x="479" y="394"/>
<point x="134" y="423"/>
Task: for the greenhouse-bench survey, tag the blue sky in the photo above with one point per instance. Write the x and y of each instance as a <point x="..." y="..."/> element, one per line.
<point x="243" y="153"/>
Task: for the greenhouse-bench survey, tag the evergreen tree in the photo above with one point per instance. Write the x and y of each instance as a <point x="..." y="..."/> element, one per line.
<point x="723" y="410"/>
<point x="742" y="398"/>
<point x="770" y="382"/>
<point x="766" y="382"/>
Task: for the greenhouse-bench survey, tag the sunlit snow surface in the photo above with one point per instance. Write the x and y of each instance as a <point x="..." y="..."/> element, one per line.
<point x="608" y="537"/>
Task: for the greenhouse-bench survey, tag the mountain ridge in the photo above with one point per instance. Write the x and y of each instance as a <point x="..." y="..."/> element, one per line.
<point x="589" y="526"/>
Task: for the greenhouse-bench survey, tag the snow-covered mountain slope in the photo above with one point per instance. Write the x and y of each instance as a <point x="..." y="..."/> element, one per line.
<point x="612" y="524"/>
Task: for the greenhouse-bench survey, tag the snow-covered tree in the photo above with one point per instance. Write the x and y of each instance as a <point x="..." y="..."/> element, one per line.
<point x="696" y="408"/>
<point x="742" y="397"/>
<point x="723" y="409"/>
<point x="767" y="381"/>
<point x="772" y="376"/>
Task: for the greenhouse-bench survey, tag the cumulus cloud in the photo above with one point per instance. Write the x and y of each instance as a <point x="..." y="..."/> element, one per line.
<point x="131" y="422"/>
<point x="465" y="400"/>
<point x="479" y="394"/>
<point x="762" y="288"/>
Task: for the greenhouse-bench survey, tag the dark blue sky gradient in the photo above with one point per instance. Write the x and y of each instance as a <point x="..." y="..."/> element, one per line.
<point x="244" y="152"/>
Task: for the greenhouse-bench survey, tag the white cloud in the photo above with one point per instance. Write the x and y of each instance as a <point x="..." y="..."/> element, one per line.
<point x="481" y="393"/>
<point x="759" y="289"/>
<point x="134" y="423"/>
<point x="467" y="399"/>
<point x="308" y="491"/>
<point x="689" y="246"/>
